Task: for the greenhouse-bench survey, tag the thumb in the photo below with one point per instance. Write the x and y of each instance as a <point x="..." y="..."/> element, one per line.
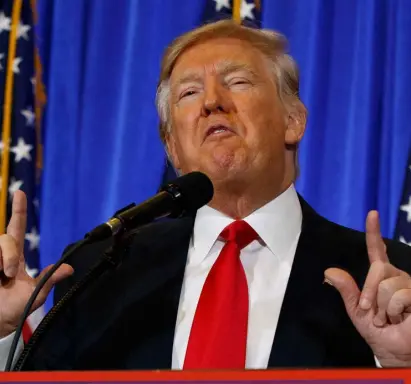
<point x="61" y="273"/>
<point x="347" y="287"/>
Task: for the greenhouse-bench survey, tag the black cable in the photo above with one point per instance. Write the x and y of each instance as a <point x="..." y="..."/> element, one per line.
<point x="33" y="297"/>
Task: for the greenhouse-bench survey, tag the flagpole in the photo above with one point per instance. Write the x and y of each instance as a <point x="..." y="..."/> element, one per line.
<point x="7" y="108"/>
<point x="237" y="11"/>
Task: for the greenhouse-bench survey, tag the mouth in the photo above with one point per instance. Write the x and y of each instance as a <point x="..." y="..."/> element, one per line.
<point x="218" y="130"/>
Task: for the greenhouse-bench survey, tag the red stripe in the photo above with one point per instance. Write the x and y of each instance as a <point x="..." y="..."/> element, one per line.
<point x="27" y="332"/>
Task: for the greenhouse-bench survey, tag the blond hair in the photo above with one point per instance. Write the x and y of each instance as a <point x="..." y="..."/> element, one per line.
<point x="271" y="44"/>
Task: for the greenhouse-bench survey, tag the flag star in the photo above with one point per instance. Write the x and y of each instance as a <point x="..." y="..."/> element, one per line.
<point x="402" y="239"/>
<point x="4" y="22"/>
<point x="36" y="203"/>
<point x="29" y="115"/>
<point x="33" y="238"/>
<point x="407" y="208"/>
<point x="1" y="58"/>
<point x="247" y="10"/>
<point x="16" y="63"/>
<point x="220" y="4"/>
<point x="21" y="150"/>
<point x="14" y="186"/>
<point x="22" y="31"/>
<point x="32" y="272"/>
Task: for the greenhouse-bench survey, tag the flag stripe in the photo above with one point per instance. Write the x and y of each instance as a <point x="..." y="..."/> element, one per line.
<point x="27" y="332"/>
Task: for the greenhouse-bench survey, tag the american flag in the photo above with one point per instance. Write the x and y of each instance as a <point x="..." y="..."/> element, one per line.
<point x="246" y="11"/>
<point x="18" y="75"/>
<point x="403" y="230"/>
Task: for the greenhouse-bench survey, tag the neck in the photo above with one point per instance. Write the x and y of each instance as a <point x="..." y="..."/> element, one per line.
<point x="239" y="201"/>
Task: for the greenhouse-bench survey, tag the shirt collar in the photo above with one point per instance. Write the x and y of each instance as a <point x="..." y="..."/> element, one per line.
<point x="278" y="223"/>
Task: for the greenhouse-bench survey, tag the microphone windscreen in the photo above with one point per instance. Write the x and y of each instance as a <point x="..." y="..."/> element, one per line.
<point x="196" y="190"/>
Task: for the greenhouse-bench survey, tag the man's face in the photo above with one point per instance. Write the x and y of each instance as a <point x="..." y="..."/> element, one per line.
<point x="227" y="118"/>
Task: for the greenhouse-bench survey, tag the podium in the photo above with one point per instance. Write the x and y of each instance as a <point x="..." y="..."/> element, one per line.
<point x="297" y="376"/>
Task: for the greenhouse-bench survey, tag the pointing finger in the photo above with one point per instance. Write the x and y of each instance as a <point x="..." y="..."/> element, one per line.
<point x="377" y="250"/>
<point x="18" y="220"/>
<point x="9" y="256"/>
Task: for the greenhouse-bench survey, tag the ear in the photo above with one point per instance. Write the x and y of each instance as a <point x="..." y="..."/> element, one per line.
<point x="172" y="152"/>
<point x="296" y="122"/>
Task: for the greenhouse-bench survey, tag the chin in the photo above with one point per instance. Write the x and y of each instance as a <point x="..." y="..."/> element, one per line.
<point x="225" y="172"/>
<point x="227" y="159"/>
<point x="220" y="165"/>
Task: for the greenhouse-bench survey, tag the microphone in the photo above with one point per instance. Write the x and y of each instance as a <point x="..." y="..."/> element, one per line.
<point x="186" y="193"/>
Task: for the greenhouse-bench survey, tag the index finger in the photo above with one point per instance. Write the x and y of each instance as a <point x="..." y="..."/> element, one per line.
<point x="18" y="220"/>
<point x="376" y="247"/>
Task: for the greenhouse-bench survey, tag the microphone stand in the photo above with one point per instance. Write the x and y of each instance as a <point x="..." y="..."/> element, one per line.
<point x="110" y="260"/>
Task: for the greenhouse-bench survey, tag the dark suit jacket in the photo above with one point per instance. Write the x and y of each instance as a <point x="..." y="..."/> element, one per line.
<point x="126" y="318"/>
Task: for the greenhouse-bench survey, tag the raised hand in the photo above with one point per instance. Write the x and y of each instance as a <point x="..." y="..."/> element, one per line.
<point x="16" y="285"/>
<point x="381" y="312"/>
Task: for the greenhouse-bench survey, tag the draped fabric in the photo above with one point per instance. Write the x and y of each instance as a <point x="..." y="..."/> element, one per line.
<point x="354" y="59"/>
<point x="101" y="60"/>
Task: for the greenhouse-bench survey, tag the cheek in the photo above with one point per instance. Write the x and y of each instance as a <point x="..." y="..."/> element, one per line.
<point x="185" y="136"/>
<point x="264" y="125"/>
<point x="185" y="121"/>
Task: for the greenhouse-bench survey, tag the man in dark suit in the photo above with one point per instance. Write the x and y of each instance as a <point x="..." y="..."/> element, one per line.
<point x="256" y="278"/>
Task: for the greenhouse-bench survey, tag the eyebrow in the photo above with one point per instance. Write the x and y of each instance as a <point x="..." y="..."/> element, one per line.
<point x="226" y="67"/>
<point x="223" y="69"/>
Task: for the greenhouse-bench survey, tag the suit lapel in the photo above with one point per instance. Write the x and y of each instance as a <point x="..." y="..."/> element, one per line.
<point x="308" y="315"/>
<point x="162" y="284"/>
<point x="153" y="275"/>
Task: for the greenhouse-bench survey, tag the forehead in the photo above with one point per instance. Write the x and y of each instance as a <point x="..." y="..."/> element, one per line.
<point x="216" y="53"/>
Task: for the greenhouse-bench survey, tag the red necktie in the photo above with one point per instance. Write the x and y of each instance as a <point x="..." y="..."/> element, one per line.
<point x="218" y="335"/>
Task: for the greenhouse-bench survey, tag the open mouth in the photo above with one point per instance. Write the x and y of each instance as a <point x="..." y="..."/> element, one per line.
<point x="218" y="129"/>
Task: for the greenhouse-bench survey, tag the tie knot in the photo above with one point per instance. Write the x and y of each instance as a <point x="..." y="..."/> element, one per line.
<point x="239" y="232"/>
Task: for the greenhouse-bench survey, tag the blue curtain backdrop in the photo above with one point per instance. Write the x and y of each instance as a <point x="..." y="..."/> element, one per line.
<point x="101" y="62"/>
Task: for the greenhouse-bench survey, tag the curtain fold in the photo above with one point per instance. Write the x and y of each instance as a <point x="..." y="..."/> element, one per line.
<point x="102" y="150"/>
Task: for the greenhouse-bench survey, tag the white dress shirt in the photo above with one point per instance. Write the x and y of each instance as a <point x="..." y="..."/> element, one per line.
<point x="267" y="263"/>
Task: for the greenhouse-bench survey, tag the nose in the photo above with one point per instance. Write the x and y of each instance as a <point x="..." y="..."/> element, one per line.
<point x="216" y="98"/>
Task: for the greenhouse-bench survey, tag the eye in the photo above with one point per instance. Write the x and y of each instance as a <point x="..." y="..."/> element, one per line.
<point x="238" y="81"/>
<point x="187" y="93"/>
